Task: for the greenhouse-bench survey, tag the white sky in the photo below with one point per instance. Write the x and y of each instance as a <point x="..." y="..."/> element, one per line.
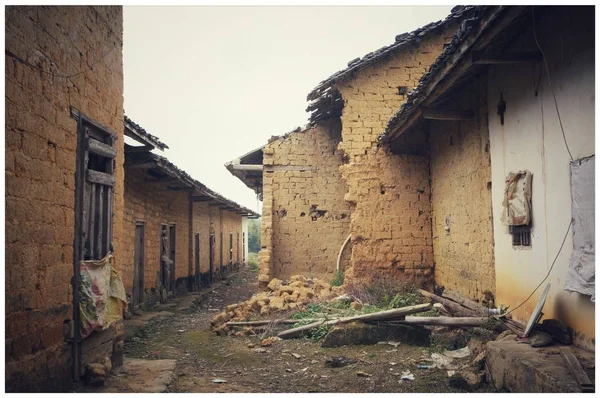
<point x="216" y="82"/>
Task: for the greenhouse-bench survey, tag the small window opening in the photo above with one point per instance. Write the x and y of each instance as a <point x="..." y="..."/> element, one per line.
<point x="521" y="235"/>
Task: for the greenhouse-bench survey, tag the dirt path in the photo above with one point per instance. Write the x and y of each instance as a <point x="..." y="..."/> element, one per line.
<point x="202" y="357"/>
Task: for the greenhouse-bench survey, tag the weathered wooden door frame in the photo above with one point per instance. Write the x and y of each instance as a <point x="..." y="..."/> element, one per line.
<point x="138" y="269"/>
<point x="164" y="251"/>
<point x="197" y="259"/>
<point x="102" y="145"/>
<point x="211" y="251"/>
<point x="172" y="256"/>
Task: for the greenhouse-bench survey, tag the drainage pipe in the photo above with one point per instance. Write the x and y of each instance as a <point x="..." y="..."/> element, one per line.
<point x="337" y="267"/>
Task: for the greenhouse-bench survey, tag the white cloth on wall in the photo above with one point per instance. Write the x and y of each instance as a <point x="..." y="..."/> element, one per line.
<point x="581" y="277"/>
<point x="517" y="199"/>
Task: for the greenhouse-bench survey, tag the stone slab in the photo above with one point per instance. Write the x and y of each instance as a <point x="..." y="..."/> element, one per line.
<point x="518" y="367"/>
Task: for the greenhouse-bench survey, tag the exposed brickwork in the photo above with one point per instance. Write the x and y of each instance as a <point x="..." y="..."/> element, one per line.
<point x="461" y="194"/>
<point x="41" y="144"/>
<point x="202" y="226"/>
<point x="391" y="222"/>
<point x="155" y="205"/>
<point x="303" y="204"/>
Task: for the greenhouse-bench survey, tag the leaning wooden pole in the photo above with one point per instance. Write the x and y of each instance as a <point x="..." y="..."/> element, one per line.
<point x="388" y="315"/>
<point x="449" y="304"/>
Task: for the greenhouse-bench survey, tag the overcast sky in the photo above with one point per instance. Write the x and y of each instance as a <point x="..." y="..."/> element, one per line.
<point x="216" y="82"/>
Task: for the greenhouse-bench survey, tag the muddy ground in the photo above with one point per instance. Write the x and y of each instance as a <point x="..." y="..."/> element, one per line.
<point x="203" y="357"/>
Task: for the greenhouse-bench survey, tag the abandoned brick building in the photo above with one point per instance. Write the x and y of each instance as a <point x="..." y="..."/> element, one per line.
<point x="425" y="199"/>
<point x="380" y="200"/>
<point x="480" y="115"/>
<point x="169" y="214"/>
<point x="55" y="101"/>
<point x="77" y="196"/>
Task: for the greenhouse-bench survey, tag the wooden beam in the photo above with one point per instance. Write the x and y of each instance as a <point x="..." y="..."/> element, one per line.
<point x="136" y="149"/>
<point x="457" y="65"/>
<point x="446" y="321"/>
<point x="98" y="177"/>
<point x="200" y="198"/>
<point x="149" y="165"/>
<point x="99" y="148"/>
<point x="576" y="370"/>
<point x="165" y="179"/>
<point x="247" y="167"/>
<point x="455" y="308"/>
<point x="446" y="114"/>
<point x="180" y="189"/>
<point x="491" y="58"/>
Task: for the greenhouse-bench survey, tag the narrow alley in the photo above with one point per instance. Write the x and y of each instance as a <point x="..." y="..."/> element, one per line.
<point x="202" y="359"/>
<point x="428" y="227"/>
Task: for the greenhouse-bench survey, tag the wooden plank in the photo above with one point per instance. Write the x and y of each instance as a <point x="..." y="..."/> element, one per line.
<point x="387" y="315"/>
<point x="450" y="305"/>
<point x="101" y="222"/>
<point x="137" y="149"/>
<point x="270" y="322"/>
<point x="92" y="216"/>
<point x="99" y="148"/>
<point x="445" y="321"/>
<point x="247" y="167"/>
<point x="148" y="165"/>
<point x="465" y="302"/>
<point x="576" y="370"/>
<point x="97" y="177"/>
<point x="489" y="58"/>
<point x="446" y="114"/>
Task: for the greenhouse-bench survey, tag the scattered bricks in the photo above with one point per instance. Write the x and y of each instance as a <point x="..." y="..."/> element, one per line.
<point x="274" y="284"/>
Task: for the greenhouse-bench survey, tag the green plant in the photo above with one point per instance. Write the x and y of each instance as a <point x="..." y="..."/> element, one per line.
<point x="402" y="300"/>
<point x="308" y="313"/>
<point x="338" y="279"/>
<point x="253" y="261"/>
<point x="319" y="332"/>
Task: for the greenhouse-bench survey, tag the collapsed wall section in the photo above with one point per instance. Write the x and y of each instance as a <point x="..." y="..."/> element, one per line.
<point x="391" y="224"/>
<point x="305" y="218"/>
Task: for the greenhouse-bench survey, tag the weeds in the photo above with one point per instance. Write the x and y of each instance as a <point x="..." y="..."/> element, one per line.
<point x="253" y="261"/>
<point x="338" y="279"/>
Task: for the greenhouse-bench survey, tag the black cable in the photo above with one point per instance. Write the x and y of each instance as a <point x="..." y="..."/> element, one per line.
<point x="549" y="271"/>
<point x="550" y="83"/>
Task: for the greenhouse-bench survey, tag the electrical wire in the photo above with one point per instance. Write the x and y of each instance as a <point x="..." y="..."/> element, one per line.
<point x="550" y="82"/>
<point x="549" y="271"/>
<point x="570" y="155"/>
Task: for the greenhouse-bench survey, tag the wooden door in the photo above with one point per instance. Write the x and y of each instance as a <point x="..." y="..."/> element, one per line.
<point x="211" y="252"/>
<point x="244" y="247"/>
<point x="164" y="256"/>
<point x="94" y="183"/>
<point x="230" y="249"/>
<point x="138" y="266"/>
<point x="172" y="247"/>
<point x="197" y="258"/>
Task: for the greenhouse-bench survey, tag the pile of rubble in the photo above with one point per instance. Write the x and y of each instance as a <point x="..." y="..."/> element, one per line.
<point x="281" y="296"/>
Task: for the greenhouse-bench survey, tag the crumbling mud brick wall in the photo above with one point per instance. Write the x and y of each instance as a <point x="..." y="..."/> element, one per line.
<point x="303" y="204"/>
<point x="153" y="204"/>
<point x="231" y="226"/>
<point x="390" y="194"/>
<point x="43" y="45"/>
<point x="203" y="227"/>
<point x="461" y="196"/>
